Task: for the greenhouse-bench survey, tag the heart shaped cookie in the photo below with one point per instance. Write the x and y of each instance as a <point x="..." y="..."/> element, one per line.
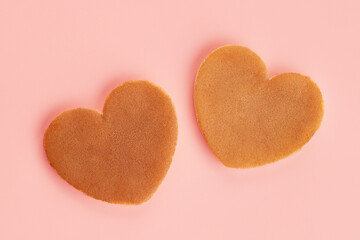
<point x="247" y="119"/>
<point x="122" y="155"/>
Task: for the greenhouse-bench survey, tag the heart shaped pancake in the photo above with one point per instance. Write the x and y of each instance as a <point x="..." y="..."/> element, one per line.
<point x="122" y="155"/>
<point x="247" y="119"/>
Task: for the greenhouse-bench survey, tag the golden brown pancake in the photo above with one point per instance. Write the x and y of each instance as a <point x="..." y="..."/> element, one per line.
<point x="247" y="119"/>
<point x="122" y="155"/>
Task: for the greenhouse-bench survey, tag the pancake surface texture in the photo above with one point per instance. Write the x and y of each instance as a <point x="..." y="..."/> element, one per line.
<point x="122" y="155"/>
<point x="247" y="119"/>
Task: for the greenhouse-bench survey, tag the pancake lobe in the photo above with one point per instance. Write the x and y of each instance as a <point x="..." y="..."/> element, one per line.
<point x="247" y="119"/>
<point x="122" y="155"/>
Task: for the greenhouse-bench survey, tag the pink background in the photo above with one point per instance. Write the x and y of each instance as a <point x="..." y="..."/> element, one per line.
<point x="56" y="55"/>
